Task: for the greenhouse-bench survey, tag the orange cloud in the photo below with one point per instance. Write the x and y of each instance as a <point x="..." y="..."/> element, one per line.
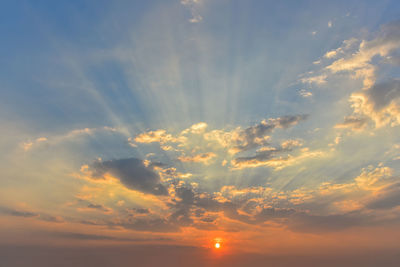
<point x="202" y="158"/>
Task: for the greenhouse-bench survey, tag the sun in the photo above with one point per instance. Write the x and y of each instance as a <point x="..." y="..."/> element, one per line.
<point x="217" y="245"/>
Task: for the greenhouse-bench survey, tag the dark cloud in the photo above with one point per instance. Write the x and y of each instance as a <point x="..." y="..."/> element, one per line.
<point x="208" y="219"/>
<point x="139" y="210"/>
<point x="288" y="121"/>
<point x="29" y="214"/>
<point x="132" y="173"/>
<point x="389" y="33"/>
<point x="190" y="204"/>
<point x="255" y="135"/>
<point x="98" y="207"/>
<point x="17" y="213"/>
<point x="182" y="207"/>
<point x="387" y="198"/>
<point x="383" y="94"/>
<point x="89" y="205"/>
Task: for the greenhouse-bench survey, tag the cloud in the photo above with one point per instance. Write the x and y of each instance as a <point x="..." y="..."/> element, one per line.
<point x="17" y="213"/>
<point x="387" y="41"/>
<point x="372" y="179"/>
<point x="381" y="103"/>
<point x="193" y="6"/>
<point x="328" y="208"/>
<point x="378" y="101"/>
<point x="97" y="207"/>
<point x="70" y="135"/>
<point x="234" y="141"/>
<point x="304" y="93"/>
<point x="319" y="80"/>
<point x="291" y="143"/>
<point x="29" y="214"/>
<point x="374" y="188"/>
<point x="387" y="198"/>
<point x="258" y="135"/>
<point x="352" y="122"/>
<point x="139" y="210"/>
<point x="346" y="46"/>
<point x="197" y="128"/>
<point x="264" y="157"/>
<point x="159" y="136"/>
<point x="331" y="54"/>
<point x="202" y="158"/>
<point x="268" y="156"/>
<point x="132" y="173"/>
<point x="28" y="145"/>
<point x="50" y="218"/>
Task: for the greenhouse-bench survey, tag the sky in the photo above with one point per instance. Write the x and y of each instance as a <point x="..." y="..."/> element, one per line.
<point x="142" y="133"/>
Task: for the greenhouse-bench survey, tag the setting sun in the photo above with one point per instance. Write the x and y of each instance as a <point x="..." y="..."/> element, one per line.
<point x="217" y="245"/>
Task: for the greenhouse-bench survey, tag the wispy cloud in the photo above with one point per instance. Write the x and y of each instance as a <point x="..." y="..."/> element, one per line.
<point x="193" y="6"/>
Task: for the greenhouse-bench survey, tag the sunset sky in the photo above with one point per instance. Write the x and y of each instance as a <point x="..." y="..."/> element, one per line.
<point x="142" y="133"/>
